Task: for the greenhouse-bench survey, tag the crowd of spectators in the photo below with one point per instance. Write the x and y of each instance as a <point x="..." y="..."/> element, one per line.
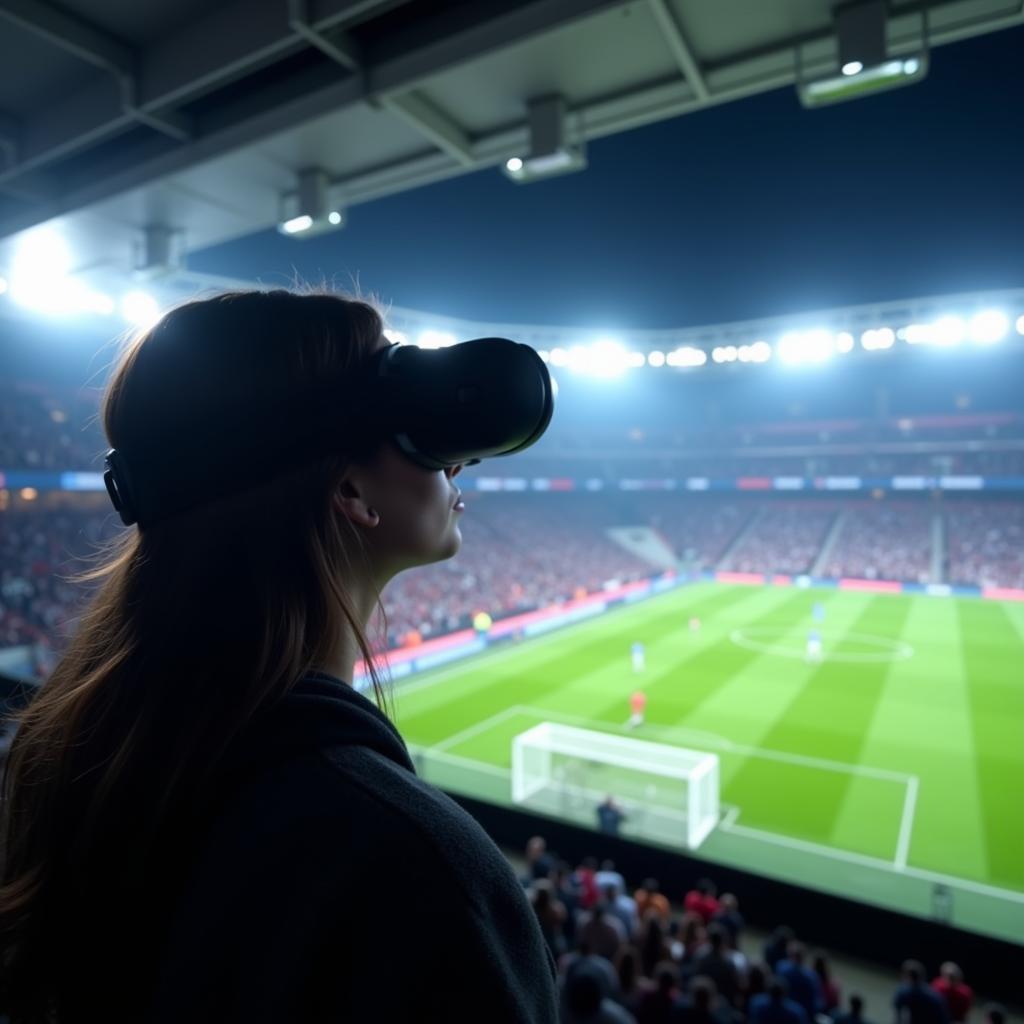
<point x="889" y="540"/>
<point x="783" y="538"/>
<point x="522" y="552"/>
<point x="44" y="428"/>
<point x="632" y="955"/>
<point x="985" y="544"/>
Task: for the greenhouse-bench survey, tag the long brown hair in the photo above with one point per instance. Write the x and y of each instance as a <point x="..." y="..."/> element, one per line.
<point x="197" y="621"/>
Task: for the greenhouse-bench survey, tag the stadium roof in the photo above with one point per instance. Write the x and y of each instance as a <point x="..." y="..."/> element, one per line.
<point x="191" y="119"/>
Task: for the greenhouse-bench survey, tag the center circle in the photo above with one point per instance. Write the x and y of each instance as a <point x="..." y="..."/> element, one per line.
<point x="856" y="648"/>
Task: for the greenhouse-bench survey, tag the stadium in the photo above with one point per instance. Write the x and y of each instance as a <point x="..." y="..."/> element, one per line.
<point x="752" y="609"/>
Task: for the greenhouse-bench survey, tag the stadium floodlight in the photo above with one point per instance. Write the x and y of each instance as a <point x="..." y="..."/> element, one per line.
<point x="605" y="358"/>
<point x="295" y="225"/>
<point x="877" y="338"/>
<point x="396" y="337"/>
<point x="1020" y="324"/>
<point x="545" y="355"/>
<point x="559" y="357"/>
<point x="686" y="355"/>
<point x="760" y="352"/>
<point x="813" y="346"/>
<point x="140" y="308"/>
<point x="636" y="359"/>
<point x="309" y="210"/>
<point x="989" y="326"/>
<point x="436" y="339"/>
<point x="3" y="285"/>
<point x="671" y="794"/>
<point x="657" y="359"/>
<point x="948" y="330"/>
<point x="550" y="151"/>
<point x="844" y="342"/>
<point x="864" y="64"/>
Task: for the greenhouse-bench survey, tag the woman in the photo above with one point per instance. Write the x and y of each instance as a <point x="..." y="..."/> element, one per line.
<point x="204" y="821"/>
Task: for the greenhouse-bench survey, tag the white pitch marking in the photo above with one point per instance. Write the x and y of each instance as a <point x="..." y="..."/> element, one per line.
<point x="474" y="730"/>
<point x="907" y="823"/>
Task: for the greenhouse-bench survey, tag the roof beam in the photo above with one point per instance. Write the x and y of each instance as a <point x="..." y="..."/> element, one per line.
<point x="70" y="34"/>
<point x="340" y="46"/>
<point x="680" y="48"/>
<point x="434" y="124"/>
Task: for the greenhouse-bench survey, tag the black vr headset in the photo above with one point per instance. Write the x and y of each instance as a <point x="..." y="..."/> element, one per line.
<point x="441" y="407"/>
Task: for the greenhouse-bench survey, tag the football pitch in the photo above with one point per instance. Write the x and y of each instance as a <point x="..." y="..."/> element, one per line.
<point x="890" y="771"/>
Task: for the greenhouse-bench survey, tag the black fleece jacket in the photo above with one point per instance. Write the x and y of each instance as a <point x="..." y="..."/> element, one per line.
<point x="334" y="885"/>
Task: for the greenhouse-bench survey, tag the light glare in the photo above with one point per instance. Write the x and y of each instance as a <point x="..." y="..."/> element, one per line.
<point x="436" y="339"/>
<point x="657" y="359"/>
<point x="514" y="164"/>
<point x="334" y="217"/>
<point x="814" y="346"/>
<point x="140" y="308"/>
<point x="853" y="67"/>
<point x="989" y="326"/>
<point x="297" y="224"/>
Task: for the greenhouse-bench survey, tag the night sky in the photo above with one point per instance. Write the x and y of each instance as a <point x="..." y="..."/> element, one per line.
<point x="749" y="209"/>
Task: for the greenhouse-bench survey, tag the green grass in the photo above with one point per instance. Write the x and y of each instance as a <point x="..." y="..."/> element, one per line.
<point x="894" y="766"/>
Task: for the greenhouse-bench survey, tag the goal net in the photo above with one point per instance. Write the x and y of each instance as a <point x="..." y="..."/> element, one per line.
<point x="668" y="794"/>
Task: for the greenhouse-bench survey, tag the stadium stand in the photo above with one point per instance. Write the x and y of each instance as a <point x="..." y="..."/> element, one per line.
<point x="884" y="540"/>
<point x="633" y="953"/>
<point x="986" y="543"/>
<point x="779" y="541"/>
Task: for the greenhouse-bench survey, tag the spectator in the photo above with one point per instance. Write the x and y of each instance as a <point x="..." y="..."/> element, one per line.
<point x="828" y="985"/>
<point x="602" y="932"/>
<point x="915" y="1001"/>
<point x="585" y="999"/>
<point x="585" y="878"/>
<point x="855" y="1015"/>
<point x="957" y="995"/>
<point x="801" y="982"/>
<point x="649" y="896"/>
<point x="609" y="816"/>
<point x="776" y="946"/>
<point x="609" y="876"/>
<point x="568" y="895"/>
<point x="653" y="945"/>
<point x="632" y="983"/>
<point x="702" y="901"/>
<point x="756" y="983"/>
<point x="538" y="860"/>
<point x="692" y="934"/>
<point x="656" y="1006"/>
<point x="584" y="957"/>
<point x="729" y="917"/>
<point x="716" y="963"/>
<point x="550" y="915"/>
<point x="775" y="1007"/>
<point x="701" y="1005"/>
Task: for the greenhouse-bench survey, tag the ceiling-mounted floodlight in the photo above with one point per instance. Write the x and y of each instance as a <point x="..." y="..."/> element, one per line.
<point x="159" y="252"/>
<point x="550" y="152"/>
<point x="864" y="66"/>
<point x="309" y="211"/>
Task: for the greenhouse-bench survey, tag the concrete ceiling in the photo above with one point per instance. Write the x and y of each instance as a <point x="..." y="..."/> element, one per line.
<point x="197" y="115"/>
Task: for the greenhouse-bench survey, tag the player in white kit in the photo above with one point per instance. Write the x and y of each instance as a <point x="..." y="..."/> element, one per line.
<point x="638" y="657"/>
<point x="813" y="653"/>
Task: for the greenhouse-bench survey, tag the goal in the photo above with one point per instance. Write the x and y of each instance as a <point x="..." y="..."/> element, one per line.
<point x="669" y="794"/>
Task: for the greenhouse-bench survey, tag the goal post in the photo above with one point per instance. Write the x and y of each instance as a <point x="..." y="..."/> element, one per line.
<point x="669" y="794"/>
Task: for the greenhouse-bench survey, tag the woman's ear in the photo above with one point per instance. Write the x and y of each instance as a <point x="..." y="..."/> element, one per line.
<point x="350" y="500"/>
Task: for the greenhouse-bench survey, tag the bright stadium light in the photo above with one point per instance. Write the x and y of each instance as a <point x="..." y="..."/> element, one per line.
<point x="636" y="360"/>
<point x="877" y="338"/>
<point x="657" y="359"/>
<point x="334" y="217"/>
<point x="916" y="334"/>
<point x="1020" y="324"/>
<point x="295" y="225"/>
<point x="559" y="357"/>
<point x="844" y="342"/>
<point x="3" y="285"/>
<point x="852" y="67"/>
<point x="760" y="352"/>
<point x="948" y="330"/>
<point x="687" y="355"/>
<point x="140" y="308"/>
<point x="605" y="358"/>
<point x="813" y="346"/>
<point x="436" y="339"/>
<point x="989" y="326"/>
<point x="396" y="337"/>
<point x="545" y="355"/>
<point x="514" y="164"/>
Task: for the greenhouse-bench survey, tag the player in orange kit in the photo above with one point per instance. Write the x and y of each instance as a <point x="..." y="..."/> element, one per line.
<point x="637" y="703"/>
